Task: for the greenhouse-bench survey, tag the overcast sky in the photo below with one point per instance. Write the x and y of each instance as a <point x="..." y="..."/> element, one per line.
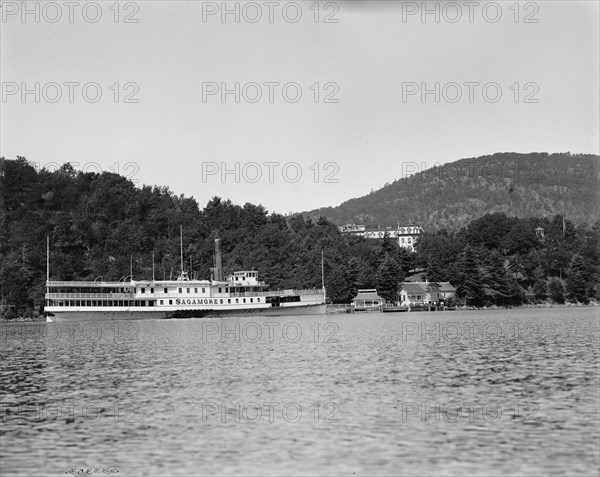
<point x="530" y="68"/>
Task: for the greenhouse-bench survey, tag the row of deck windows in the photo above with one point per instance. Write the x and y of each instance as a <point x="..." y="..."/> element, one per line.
<point x="237" y="300"/>
<point x="189" y="290"/>
<point x="125" y="302"/>
<point x="108" y="290"/>
<point x="99" y="302"/>
<point x="80" y="303"/>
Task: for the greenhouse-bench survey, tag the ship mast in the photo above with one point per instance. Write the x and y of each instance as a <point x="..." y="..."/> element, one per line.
<point x="322" y="270"/>
<point x="183" y="275"/>
<point x="181" y="245"/>
<point x="47" y="258"/>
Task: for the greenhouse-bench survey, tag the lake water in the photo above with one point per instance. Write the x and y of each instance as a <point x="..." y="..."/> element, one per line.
<point x="500" y="392"/>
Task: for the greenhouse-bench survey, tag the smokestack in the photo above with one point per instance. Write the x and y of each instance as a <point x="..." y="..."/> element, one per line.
<point x="218" y="263"/>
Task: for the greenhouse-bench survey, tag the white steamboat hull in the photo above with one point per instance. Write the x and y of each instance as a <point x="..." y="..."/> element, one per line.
<point x="158" y="314"/>
<point x="60" y="316"/>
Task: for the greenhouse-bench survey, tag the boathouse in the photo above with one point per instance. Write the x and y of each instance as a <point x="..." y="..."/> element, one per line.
<point x="367" y="300"/>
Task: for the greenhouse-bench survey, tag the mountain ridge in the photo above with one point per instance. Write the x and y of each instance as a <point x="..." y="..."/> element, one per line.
<point x="451" y="195"/>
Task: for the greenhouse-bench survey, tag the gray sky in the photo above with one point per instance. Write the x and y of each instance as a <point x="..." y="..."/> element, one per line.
<point x="374" y="62"/>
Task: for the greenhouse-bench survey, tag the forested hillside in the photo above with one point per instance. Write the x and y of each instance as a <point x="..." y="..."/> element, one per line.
<point x="98" y="222"/>
<point x="452" y="195"/>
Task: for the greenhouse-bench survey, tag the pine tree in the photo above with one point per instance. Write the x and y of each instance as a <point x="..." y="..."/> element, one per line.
<point x="499" y="280"/>
<point x="434" y="273"/>
<point x="540" y="284"/>
<point x="556" y="290"/>
<point x="389" y="276"/>
<point x="517" y="294"/>
<point x="470" y="286"/>
<point x="388" y="245"/>
<point x="578" y="280"/>
<point x="352" y="278"/>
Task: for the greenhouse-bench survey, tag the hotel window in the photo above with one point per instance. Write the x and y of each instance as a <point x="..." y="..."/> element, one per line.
<point x="221" y="301"/>
<point x="166" y="290"/>
<point x="258" y="300"/>
<point x="187" y="290"/>
<point x="161" y="302"/>
<point x="195" y="290"/>
<point x="151" y="290"/>
<point x="229" y="300"/>
<point x="226" y="290"/>
<point x="237" y="301"/>
<point x="203" y="290"/>
<point x="244" y="300"/>
<point x="170" y="302"/>
<point x="180" y="290"/>
<point x="143" y="290"/>
<point x="219" y="290"/>
<point x="251" y="300"/>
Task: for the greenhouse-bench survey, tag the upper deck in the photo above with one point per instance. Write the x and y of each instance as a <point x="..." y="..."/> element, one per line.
<point x="239" y="284"/>
<point x="237" y="279"/>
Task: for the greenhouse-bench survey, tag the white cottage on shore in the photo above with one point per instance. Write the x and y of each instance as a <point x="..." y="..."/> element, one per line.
<point x="422" y="293"/>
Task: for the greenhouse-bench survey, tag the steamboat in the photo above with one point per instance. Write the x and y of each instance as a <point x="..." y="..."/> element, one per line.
<point x="241" y="293"/>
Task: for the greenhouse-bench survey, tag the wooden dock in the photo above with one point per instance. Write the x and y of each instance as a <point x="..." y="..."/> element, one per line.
<point x="348" y="308"/>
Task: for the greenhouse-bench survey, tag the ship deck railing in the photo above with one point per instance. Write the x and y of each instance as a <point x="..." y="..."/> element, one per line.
<point x="121" y="284"/>
<point x="310" y="291"/>
<point x="137" y="296"/>
<point x="94" y="296"/>
<point x="179" y="284"/>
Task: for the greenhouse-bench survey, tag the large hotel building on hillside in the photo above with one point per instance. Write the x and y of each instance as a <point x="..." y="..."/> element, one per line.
<point x="406" y="235"/>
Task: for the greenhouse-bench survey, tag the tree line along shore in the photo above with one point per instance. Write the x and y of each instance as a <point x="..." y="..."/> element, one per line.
<point x="100" y="225"/>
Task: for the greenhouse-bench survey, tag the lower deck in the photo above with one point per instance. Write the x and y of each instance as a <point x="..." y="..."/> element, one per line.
<point x="158" y="314"/>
